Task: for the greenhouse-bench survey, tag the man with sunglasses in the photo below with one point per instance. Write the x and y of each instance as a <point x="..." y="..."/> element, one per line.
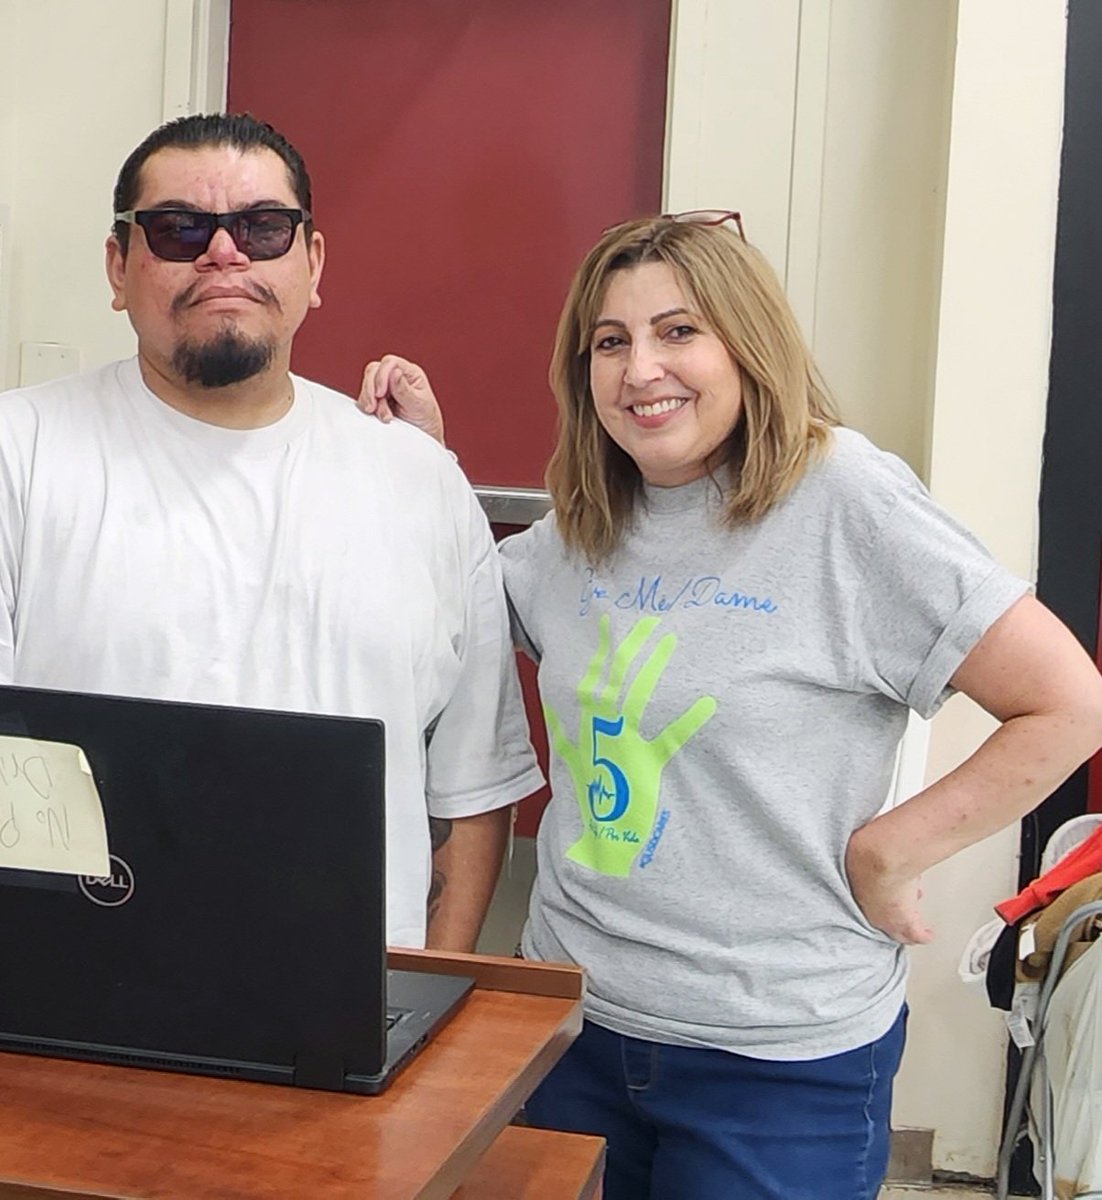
<point x="198" y="524"/>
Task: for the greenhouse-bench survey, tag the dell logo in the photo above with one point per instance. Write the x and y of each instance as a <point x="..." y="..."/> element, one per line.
<point x="109" y="891"/>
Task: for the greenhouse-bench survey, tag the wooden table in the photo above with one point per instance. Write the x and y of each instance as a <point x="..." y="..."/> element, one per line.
<point x="537" y="1164"/>
<point x="88" y="1130"/>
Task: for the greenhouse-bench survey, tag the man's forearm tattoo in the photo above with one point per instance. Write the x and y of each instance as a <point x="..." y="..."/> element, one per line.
<point x="440" y="829"/>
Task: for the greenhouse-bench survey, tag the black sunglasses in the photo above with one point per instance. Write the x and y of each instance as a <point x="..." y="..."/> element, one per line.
<point x="183" y="234"/>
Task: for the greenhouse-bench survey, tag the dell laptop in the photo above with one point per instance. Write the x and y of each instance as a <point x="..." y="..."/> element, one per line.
<point x="240" y="930"/>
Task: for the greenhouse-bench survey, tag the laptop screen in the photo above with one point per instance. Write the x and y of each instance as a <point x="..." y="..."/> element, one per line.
<point x="240" y="928"/>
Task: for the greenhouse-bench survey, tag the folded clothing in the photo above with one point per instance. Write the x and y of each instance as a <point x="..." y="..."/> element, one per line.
<point x="1046" y="929"/>
<point x="976" y="955"/>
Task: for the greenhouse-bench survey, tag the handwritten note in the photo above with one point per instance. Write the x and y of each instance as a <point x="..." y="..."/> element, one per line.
<point x="51" y="818"/>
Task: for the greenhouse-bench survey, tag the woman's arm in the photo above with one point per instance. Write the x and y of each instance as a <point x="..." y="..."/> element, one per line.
<point x="1030" y="673"/>
<point x="396" y="387"/>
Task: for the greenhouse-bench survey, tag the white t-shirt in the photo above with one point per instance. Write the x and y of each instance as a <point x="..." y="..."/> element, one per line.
<point x="325" y="563"/>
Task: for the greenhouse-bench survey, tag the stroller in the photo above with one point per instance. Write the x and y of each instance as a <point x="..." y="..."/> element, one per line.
<point x="1060" y="1082"/>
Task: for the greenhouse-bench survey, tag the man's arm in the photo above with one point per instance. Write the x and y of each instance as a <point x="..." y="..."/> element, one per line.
<point x="466" y="861"/>
<point x="479" y="760"/>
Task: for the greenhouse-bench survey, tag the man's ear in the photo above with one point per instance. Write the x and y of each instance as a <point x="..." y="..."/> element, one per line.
<point x="116" y="273"/>
<point x="316" y="253"/>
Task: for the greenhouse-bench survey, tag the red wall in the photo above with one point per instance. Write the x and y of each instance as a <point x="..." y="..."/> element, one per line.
<point x="464" y="155"/>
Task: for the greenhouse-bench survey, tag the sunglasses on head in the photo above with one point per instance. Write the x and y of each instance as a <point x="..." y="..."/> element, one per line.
<point x="702" y="216"/>
<point x="183" y="234"/>
<point x="707" y="216"/>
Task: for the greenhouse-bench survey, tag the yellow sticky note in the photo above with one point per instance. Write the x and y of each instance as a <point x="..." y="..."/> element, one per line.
<point x="51" y="816"/>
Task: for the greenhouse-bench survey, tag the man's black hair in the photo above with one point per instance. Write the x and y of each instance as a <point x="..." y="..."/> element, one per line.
<point x="239" y="130"/>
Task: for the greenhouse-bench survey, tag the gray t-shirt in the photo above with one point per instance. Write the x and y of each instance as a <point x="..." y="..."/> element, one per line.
<point x="724" y="707"/>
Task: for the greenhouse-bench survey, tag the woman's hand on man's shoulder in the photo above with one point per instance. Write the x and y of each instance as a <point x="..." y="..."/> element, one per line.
<point x="395" y="387"/>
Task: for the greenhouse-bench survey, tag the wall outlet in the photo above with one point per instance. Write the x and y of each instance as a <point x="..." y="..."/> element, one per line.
<point x="40" y="362"/>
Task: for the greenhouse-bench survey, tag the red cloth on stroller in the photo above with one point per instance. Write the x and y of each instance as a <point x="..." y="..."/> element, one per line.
<point x="1084" y="860"/>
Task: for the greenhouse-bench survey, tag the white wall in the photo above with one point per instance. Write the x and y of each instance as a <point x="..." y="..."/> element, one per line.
<point x="988" y="421"/>
<point x="730" y="113"/>
<point x="87" y="88"/>
<point x="886" y="125"/>
<point x="80" y="85"/>
<point x="826" y="123"/>
<point x="8" y="112"/>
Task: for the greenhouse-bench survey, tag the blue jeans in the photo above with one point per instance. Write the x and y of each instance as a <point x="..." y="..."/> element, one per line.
<point x="699" y="1124"/>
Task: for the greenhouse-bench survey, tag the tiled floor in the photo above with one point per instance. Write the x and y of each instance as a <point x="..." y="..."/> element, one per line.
<point x="937" y="1193"/>
<point x="907" y="1193"/>
<point x="897" y="1193"/>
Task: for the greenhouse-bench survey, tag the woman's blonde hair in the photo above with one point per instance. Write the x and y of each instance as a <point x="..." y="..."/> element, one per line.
<point x="786" y="413"/>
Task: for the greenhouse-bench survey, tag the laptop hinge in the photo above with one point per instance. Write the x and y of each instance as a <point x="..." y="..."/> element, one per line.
<point x="320" y="1069"/>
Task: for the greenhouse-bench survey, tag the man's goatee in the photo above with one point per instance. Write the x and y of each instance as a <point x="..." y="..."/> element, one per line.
<point x="226" y="359"/>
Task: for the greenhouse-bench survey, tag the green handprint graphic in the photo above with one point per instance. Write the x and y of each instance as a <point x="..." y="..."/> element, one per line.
<point x="617" y="773"/>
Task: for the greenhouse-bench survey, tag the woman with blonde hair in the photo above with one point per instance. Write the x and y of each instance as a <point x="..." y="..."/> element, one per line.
<point x="734" y="604"/>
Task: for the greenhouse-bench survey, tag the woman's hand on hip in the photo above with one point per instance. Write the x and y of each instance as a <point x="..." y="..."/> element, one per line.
<point x="890" y="903"/>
